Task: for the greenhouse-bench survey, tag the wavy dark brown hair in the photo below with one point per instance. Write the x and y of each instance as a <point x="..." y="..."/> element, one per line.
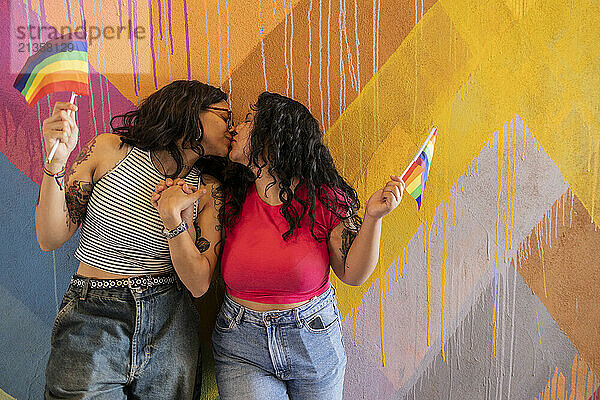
<point x="169" y="114"/>
<point x="286" y="143"/>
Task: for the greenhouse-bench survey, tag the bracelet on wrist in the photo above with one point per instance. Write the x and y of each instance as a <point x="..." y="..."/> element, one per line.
<point x="171" y="233"/>
<point x="58" y="177"/>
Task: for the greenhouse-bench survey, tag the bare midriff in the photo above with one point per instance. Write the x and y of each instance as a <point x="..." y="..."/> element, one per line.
<point x="264" y="306"/>
<point x="92" y="272"/>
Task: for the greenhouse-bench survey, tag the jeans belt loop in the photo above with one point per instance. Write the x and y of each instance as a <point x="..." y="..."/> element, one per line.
<point x="297" y="318"/>
<point x="240" y="314"/>
<point x="84" y="291"/>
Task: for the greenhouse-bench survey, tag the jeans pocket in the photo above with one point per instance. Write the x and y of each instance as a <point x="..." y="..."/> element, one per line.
<point x="322" y="321"/>
<point x="225" y="322"/>
<point x="67" y="305"/>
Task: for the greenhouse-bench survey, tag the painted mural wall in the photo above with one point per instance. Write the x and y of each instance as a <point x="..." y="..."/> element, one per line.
<point x="490" y="291"/>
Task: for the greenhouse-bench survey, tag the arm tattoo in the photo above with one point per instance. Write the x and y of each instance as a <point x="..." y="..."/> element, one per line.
<point x="77" y="197"/>
<point x="218" y="196"/>
<point x="66" y="211"/>
<point x="202" y="244"/>
<point x="351" y="229"/>
<point x="83" y="155"/>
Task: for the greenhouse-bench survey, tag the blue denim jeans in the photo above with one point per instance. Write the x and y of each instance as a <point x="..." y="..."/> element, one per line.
<point x="125" y="343"/>
<point x="295" y="354"/>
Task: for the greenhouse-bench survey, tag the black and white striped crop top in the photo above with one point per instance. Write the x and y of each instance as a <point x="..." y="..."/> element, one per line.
<point x="122" y="232"/>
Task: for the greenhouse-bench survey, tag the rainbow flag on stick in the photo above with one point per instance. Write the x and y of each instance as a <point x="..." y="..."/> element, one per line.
<point x="60" y="65"/>
<point x="415" y="176"/>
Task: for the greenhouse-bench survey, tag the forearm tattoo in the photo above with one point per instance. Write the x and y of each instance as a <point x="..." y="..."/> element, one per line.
<point x="349" y="233"/>
<point x="218" y="196"/>
<point x="66" y="211"/>
<point x="77" y="197"/>
<point x="202" y="244"/>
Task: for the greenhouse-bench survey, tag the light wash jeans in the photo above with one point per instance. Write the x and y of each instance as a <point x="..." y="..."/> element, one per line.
<point x="125" y="343"/>
<point x="295" y="354"/>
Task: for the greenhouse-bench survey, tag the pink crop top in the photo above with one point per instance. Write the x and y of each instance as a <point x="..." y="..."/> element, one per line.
<point x="258" y="265"/>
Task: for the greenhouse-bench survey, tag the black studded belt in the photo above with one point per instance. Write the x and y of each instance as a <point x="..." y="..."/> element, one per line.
<point x="143" y="281"/>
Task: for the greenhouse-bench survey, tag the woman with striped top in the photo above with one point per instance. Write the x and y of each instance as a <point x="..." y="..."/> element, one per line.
<point x="127" y="327"/>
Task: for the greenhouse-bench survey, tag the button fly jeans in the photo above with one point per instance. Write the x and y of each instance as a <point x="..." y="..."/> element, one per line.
<point x="124" y="343"/>
<point x="295" y="354"/>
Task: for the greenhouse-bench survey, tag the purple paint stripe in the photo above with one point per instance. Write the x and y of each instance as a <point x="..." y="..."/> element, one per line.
<point x="83" y="21"/>
<point x="69" y="12"/>
<point x="120" y="14"/>
<point x="160" y="19"/>
<point x="131" y="46"/>
<point x="170" y="33"/>
<point x="137" y="60"/>
<point x="152" y="41"/>
<point x="42" y="10"/>
<point x="187" y="39"/>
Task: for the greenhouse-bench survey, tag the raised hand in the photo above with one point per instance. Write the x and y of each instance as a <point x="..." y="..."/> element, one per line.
<point x="383" y="201"/>
<point x="62" y="127"/>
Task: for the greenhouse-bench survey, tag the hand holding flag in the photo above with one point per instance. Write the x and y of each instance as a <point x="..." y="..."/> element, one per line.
<point x="415" y="176"/>
<point x="61" y="131"/>
<point x="60" y="65"/>
<point x="55" y="146"/>
<point x="413" y="179"/>
<point x="383" y="201"/>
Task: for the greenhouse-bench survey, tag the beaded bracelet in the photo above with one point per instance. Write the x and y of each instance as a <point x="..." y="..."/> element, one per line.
<point x="57" y="176"/>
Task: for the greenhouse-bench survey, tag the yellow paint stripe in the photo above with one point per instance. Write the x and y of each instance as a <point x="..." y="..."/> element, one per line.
<point x="444" y="248"/>
<point x="508" y="193"/>
<point x="428" y="238"/>
<point x="381" y="322"/>
<point x="499" y="165"/>
<point x="505" y="67"/>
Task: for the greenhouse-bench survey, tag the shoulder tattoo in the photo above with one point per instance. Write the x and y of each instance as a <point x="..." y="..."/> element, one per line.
<point x="83" y="155"/>
<point x="218" y="195"/>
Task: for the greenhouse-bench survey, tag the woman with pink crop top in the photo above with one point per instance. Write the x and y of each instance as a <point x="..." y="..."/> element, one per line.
<point x="288" y="216"/>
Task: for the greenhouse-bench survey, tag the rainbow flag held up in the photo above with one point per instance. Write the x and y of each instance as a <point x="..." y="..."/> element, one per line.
<point x="60" y="65"/>
<point x="415" y="176"/>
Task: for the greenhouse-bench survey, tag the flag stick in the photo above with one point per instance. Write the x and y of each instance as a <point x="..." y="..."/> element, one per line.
<point x="419" y="152"/>
<point x="51" y="155"/>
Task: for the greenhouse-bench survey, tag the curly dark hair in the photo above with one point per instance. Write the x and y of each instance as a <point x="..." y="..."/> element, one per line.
<point x="286" y="143"/>
<point x="167" y="115"/>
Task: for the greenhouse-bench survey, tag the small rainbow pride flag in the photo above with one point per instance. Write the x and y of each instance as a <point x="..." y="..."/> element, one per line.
<point x="60" y="65"/>
<point x="415" y="176"/>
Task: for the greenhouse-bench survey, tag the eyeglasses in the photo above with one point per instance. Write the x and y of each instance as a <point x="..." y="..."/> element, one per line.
<point x="228" y="120"/>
